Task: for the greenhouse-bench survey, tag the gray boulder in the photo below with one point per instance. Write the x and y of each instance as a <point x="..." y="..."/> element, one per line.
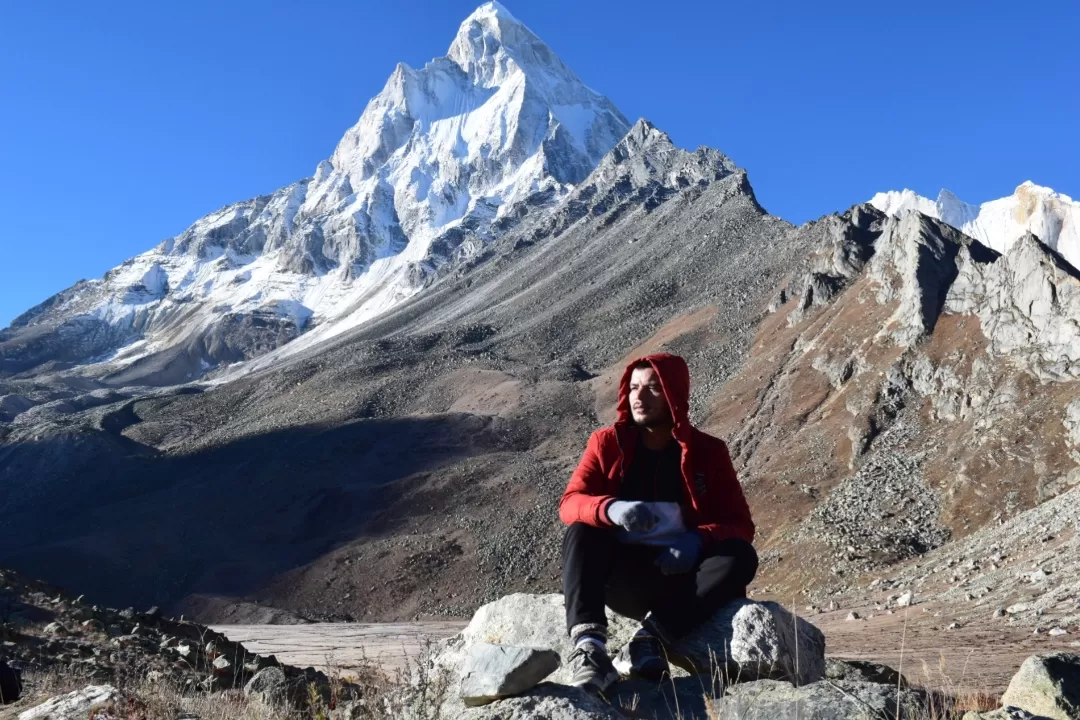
<point x="862" y="671"/>
<point x="826" y="700"/>
<point x="747" y="640"/>
<point x="492" y="672"/>
<point x="79" y="705"/>
<point x="269" y="686"/>
<point x="1047" y="685"/>
<point x="526" y="620"/>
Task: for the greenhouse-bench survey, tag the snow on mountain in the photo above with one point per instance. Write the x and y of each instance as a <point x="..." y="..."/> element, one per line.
<point x="1052" y="217"/>
<point x="437" y="156"/>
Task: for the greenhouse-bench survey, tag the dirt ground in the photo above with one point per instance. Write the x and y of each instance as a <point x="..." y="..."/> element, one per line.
<point x="974" y="659"/>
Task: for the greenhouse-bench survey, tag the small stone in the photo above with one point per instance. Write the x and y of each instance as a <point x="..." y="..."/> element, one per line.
<point x="1058" y="632"/>
<point x="906" y="599"/>
<point x="953" y="626"/>
<point x="852" y="616"/>
<point x="999" y="613"/>
<point x="1018" y="608"/>
<point x="56" y="628"/>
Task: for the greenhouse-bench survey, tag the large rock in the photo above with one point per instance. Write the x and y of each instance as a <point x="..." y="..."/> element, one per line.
<point x="827" y="700"/>
<point x="748" y="640"/>
<point x="492" y="672"/>
<point x="1047" y="685"/>
<point x="525" y="620"/>
<point x="745" y="640"/>
<point x="76" y="705"/>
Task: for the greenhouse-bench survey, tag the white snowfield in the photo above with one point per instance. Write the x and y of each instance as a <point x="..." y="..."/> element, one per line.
<point x="457" y="142"/>
<point x="1052" y="217"/>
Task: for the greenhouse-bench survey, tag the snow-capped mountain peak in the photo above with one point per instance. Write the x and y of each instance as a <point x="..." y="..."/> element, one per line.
<point x="1052" y="217"/>
<point x="492" y="45"/>
<point x="437" y="156"/>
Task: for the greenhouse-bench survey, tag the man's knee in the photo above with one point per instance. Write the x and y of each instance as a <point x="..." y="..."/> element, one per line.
<point x="580" y="533"/>
<point x="744" y="559"/>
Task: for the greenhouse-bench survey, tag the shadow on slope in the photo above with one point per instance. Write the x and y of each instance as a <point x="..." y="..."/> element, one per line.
<point x="142" y="529"/>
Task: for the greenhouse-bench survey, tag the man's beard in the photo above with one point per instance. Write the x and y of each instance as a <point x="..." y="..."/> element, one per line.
<point x="654" y="422"/>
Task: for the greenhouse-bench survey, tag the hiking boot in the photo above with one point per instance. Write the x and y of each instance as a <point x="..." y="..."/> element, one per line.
<point x="592" y="668"/>
<point x="643" y="659"/>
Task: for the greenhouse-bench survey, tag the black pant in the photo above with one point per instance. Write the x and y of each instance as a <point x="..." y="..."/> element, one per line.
<point x="598" y="570"/>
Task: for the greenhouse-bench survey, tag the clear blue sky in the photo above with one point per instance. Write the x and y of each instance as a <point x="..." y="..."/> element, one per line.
<point x="122" y="122"/>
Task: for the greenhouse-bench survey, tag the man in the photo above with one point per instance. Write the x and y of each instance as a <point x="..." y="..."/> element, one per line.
<point x="659" y="529"/>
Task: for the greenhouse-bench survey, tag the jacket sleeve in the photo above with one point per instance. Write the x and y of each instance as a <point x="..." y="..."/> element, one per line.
<point x="586" y="499"/>
<point x="730" y="515"/>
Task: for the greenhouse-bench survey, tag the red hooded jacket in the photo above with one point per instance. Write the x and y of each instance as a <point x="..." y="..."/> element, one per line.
<point x="717" y="507"/>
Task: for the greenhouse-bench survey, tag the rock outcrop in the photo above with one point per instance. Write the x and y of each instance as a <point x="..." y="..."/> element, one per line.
<point x="1028" y="303"/>
<point x="744" y="641"/>
<point x="525" y="620"/>
<point x="46" y="632"/>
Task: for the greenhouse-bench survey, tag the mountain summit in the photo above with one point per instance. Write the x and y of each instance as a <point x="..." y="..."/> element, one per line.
<point x="1052" y="217"/>
<point x="440" y="154"/>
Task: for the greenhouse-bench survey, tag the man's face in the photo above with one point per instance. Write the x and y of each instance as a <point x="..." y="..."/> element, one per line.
<point x="648" y="406"/>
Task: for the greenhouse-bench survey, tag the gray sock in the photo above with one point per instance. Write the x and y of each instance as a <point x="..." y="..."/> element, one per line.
<point x="589" y="633"/>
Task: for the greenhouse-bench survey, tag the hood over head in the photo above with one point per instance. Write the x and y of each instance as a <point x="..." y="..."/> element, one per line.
<point x="675" y="382"/>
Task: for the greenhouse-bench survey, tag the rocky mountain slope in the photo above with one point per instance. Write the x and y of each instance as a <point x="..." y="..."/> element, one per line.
<point x="893" y="382"/>
<point x="441" y="159"/>
<point x="355" y="477"/>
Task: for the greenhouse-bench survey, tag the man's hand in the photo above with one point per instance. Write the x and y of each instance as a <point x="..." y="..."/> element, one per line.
<point x="681" y="555"/>
<point x="632" y="516"/>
